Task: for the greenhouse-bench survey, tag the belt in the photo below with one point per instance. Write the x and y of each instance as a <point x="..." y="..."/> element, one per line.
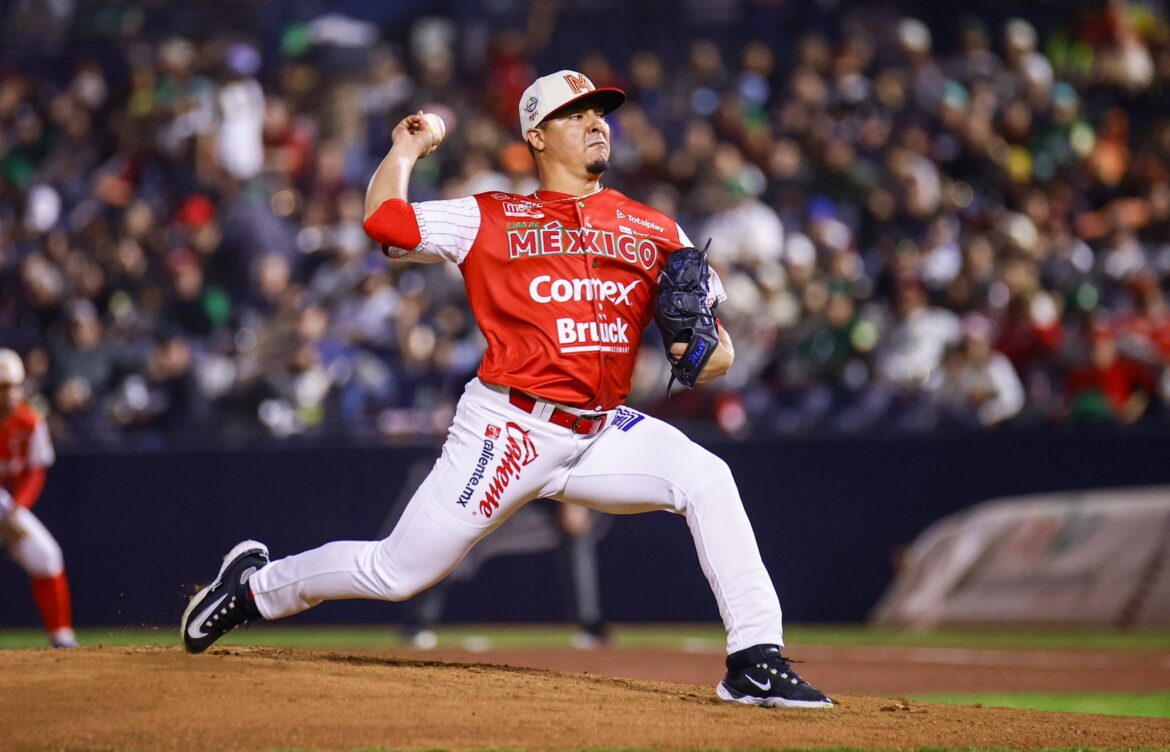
<point x="585" y="423"/>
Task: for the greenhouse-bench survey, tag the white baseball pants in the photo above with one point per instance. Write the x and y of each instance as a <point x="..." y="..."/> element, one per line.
<point x="497" y="458"/>
<point x="37" y="551"/>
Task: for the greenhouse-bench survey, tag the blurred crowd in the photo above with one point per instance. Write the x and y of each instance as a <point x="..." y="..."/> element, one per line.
<point x="913" y="236"/>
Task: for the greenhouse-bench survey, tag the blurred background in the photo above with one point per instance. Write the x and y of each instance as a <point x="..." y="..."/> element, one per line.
<point x="945" y="237"/>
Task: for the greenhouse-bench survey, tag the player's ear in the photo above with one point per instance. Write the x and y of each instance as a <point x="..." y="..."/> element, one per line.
<point x="535" y="138"/>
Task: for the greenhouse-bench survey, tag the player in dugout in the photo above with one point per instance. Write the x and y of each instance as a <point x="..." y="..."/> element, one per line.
<point x="561" y="283"/>
<point x="26" y="452"/>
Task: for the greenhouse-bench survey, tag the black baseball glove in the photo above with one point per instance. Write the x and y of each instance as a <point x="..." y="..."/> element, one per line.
<point x="682" y="314"/>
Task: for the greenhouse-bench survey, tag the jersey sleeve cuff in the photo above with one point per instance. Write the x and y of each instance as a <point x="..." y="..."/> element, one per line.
<point x="395" y="227"/>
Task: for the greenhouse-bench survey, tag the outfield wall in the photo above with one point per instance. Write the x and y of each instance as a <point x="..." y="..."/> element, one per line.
<point x="139" y="528"/>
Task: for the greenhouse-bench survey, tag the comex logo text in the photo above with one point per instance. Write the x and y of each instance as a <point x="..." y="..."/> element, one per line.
<point x="545" y="289"/>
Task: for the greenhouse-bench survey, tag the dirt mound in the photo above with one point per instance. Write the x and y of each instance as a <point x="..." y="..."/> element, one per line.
<point x="863" y="670"/>
<point x="262" y="698"/>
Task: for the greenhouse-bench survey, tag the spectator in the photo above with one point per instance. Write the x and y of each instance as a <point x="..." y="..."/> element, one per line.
<point x="180" y="215"/>
<point x="975" y="385"/>
<point x="1108" y="386"/>
<point x="914" y="346"/>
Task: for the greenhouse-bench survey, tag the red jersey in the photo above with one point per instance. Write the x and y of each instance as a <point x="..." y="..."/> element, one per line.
<point x="561" y="286"/>
<point x="1150" y="332"/>
<point x="1117" y="381"/>
<point x="25" y="452"/>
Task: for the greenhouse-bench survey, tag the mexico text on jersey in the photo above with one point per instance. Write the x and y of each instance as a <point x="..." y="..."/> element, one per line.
<point x="561" y="287"/>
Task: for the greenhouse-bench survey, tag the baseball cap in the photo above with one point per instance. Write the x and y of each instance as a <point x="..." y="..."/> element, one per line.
<point x="550" y="93"/>
<point x="11" y="368"/>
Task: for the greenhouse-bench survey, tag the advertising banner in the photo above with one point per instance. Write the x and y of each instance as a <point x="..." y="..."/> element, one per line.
<point x="1092" y="558"/>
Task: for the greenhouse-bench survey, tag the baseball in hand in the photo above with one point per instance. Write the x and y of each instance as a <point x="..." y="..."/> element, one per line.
<point x="437" y="125"/>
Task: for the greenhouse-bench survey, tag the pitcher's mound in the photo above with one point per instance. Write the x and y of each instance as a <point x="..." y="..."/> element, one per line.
<point x="265" y="698"/>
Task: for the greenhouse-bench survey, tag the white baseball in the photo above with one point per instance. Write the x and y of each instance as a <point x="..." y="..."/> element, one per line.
<point x="437" y="125"/>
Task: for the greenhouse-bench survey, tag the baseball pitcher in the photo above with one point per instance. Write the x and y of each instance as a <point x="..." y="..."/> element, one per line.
<point x="561" y="283"/>
<point x="25" y="453"/>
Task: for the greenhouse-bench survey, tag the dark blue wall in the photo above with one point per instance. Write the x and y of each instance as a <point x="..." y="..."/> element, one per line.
<point x="139" y="529"/>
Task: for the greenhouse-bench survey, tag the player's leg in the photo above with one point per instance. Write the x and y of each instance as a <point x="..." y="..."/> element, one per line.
<point x="641" y="464"/>
<point x="37" y="552"/>
<point x="644" y="464"/>
<point x="491" y="464"/>
<point x="495" y="459"/>
<point x="424" y="546"/>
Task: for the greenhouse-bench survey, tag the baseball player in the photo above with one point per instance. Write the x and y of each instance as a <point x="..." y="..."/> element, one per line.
<point x="561" y="282"/>
<point x="25" y="453"/>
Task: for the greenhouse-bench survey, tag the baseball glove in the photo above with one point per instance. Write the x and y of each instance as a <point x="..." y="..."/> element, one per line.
<point x="682" y="314"/>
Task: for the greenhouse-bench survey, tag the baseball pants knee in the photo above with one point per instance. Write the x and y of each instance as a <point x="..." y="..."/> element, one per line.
<point x="643" y="464"/>
<point x="37" y="552"/>
<point x="495" y="460"/>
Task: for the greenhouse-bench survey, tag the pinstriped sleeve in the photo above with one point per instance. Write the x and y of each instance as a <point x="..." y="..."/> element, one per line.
<point x="447" y="229"/>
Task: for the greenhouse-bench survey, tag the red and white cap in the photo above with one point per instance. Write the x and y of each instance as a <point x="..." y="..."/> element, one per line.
<point x="550" y="93"/>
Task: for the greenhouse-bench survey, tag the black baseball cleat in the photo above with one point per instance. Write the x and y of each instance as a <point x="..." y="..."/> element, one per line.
<point x="761" y="676"/>
<point x="226" y="603"/>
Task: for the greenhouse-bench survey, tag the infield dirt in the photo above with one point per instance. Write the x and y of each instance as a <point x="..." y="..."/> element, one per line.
<point x="265" y="698"/>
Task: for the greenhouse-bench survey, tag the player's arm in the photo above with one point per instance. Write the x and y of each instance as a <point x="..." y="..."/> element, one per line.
<point x="390" y="220"/>
<point x="724" y="355"/>
<point x="721" y="359"/>
<point x="26" y="487"/>
<point x="720" y="362"/>
<point x="425" y="232"/>
<point x="11" y="531"/>
<point x="413" y="138"/>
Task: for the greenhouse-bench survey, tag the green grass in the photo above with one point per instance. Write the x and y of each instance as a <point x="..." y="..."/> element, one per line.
<point x="984" y="637"/>
<point x="861" y="635"/>
<point x="1153" y="704"/>
<point x="701" y="637"/>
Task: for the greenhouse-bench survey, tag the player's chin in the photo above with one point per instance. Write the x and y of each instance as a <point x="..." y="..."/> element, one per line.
<point x="597" y="166"/>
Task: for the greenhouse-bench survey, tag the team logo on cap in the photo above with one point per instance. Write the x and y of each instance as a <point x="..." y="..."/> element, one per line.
<point x="578" y="83"/>
<point x="531" y="105"/>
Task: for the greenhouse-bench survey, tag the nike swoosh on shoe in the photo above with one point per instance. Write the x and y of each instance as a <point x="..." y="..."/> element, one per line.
<point x="195" y="626"/>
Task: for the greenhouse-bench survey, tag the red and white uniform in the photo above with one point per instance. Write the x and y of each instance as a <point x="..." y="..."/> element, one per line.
<point x="26" y="452"/>
<point x="561" y="288"/>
